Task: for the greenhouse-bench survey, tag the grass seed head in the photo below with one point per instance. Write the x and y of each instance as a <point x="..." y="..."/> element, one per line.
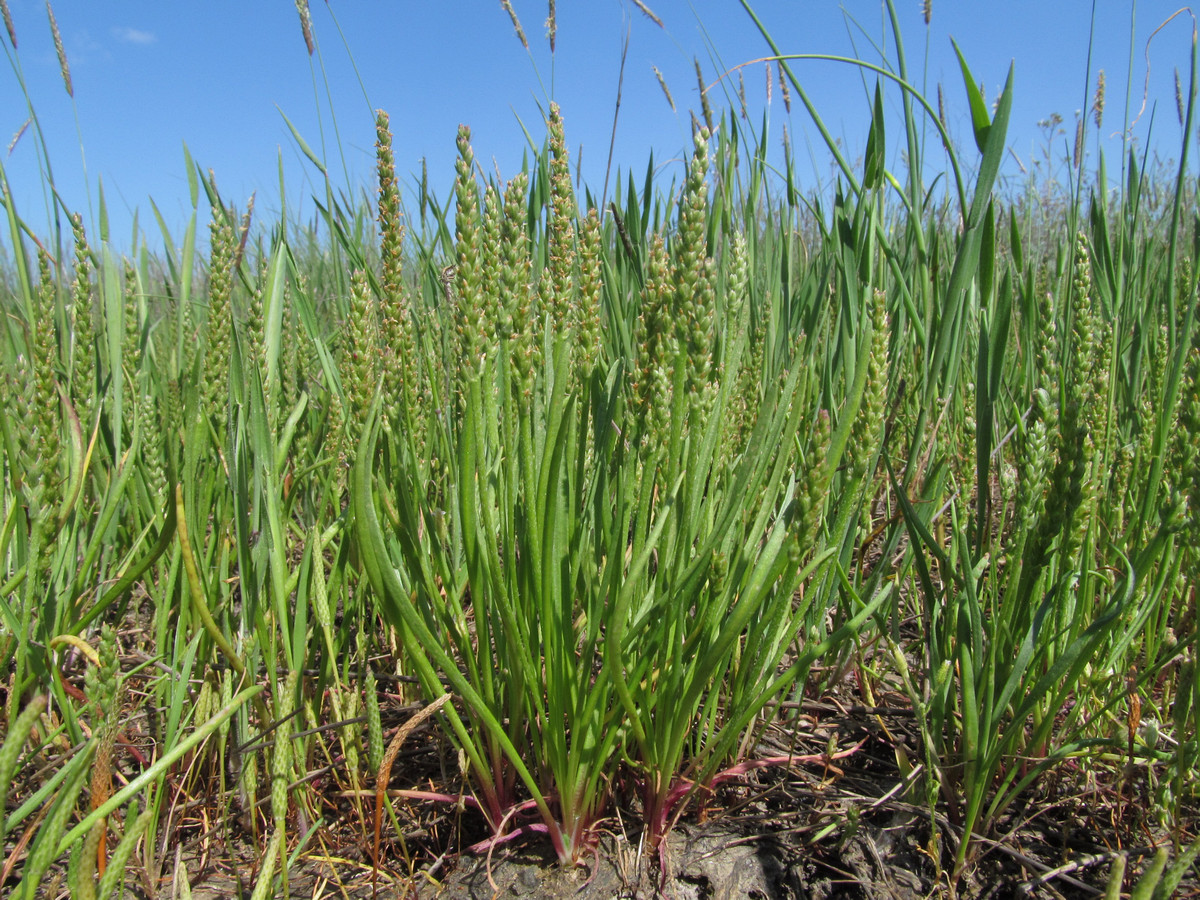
<point x="648" y="13"/>
<point x="662" y="83"/>
<point x="512" y="14"/>
<point x="63" y="66"/>
<point x="306" y="24"/>
<point x="1098" y="101"/>
<point x="1178" y="97"/>
<point x="8" y="23"/>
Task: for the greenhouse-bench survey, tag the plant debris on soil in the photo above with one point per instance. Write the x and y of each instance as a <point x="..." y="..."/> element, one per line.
<point x="851" y="827"/>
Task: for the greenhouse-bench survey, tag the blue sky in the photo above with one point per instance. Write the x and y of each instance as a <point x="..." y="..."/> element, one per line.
<point x="150" y="76"/>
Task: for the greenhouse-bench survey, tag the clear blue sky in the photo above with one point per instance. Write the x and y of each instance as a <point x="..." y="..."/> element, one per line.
<point x="150" y="76"/>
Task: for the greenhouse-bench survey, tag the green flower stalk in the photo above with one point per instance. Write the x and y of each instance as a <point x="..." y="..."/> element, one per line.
<point x="693" y="275"/>
<point x="400" y="370"/>
<point x="131" y="351"/>
<point x="255" y="326"/>
<point x="131" y="345"/>
<point x="808" y="507"/>
<point x="83" y="353"/>
<point x="1032" y="461"/>
<point x="866" y="434"/>
<point x="139" y="405"/>
<point x="222" y="264"/>
<point x="1069" y="435"/>
<point x="351" y="732"/>
<point x="46" y="415"/>
<point x="734" y="331"/>
<point x="374" y="723"/>
<point x="1046" y="358"/>
<point x="587" y="302"/>
<point x="557" y="290"/>
<point x="1084" y="420"/>
<point x="656" y="351"/>
<point x="518" y="301"/>
<point x="282" y="756"/>
<point x="468" y="274"/>
<point x="1185" y="454"/>
<point x="19" y="391"/>
<point x="292" y="368"/>
<point x="736" y="319"/>
<point x="360" y="362"/>
<point x="491" y="269"/>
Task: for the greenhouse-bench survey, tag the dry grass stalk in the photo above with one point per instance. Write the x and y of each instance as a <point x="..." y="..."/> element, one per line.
<point x="385" y="773"/>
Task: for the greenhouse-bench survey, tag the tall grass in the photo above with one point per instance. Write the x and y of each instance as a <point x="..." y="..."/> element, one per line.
<point x="616" y="480"/>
